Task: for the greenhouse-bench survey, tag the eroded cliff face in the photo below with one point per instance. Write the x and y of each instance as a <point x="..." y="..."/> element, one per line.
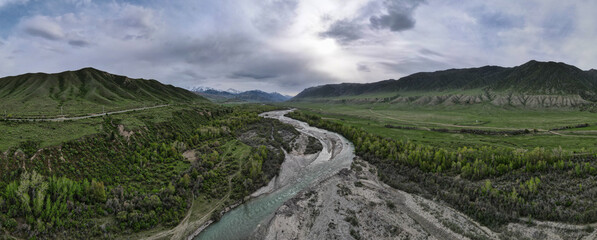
<point x="354" y="204"/>
<point x="531" y="101"/>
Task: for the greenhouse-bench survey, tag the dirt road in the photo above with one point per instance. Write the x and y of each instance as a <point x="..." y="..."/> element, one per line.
<point x="60" y="119"/>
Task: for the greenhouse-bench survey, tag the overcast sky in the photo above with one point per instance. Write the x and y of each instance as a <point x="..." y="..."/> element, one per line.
<point x="288" y="45"/>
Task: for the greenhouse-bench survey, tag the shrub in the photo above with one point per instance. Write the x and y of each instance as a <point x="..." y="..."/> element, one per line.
<point x="10" y="224"/>
<point x="98" y="191"/>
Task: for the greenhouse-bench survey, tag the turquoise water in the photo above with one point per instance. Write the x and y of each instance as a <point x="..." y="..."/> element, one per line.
<point x="240" y="222"/>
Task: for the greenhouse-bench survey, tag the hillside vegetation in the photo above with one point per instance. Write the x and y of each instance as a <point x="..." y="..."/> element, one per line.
<point x="138" y="173"/>
<point x="131" y="174"/>
<point x="83" y="92"/>
<point x="533" y="84"/>
<point x="470" y="145"/>
<point x="493" y="184"/>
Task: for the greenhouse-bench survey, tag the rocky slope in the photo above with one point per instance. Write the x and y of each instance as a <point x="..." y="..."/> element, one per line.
<point x="510" y="99"/>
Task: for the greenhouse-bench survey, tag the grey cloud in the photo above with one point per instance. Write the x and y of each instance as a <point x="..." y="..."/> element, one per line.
<point x="78" y="43"/>
<point x="8" y="2"/>
<point x="414" y="65"/>
<point x="216" y="49"/>
<point x="493" y="19"/>
<point x="43" y="33"/>
<point x="559" y="25"/>
<point x="499" y="20"/>
<point x="209" y="51"/>
<point x="133" y="22"/>
<point x="238" y="59"/>
<point x="79" y="3"/>
<point x="344" y="31"/>
<point x="256" y="76"/>
<point x="399" y="15"/>
<point x="275" y="15"/>
<point x="271" y="65"/>
<point x="42" y="26"/>
<point x="363" y="68"/>
<point x="51" y="29"/>
<point x="192" y="74"/>
<point x="429" y="52"/>
<point x="280" y="69"/>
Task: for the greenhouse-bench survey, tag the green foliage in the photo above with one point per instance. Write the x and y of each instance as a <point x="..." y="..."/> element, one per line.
<point x="470" y="162"/>
<point x="313" y="146"/>
<point x="485" y="182"/>
<point x="97" y="191"/>
<point x="10" y="224"/>
<point x="487" y="188"/>
<point x="136" y="182"/>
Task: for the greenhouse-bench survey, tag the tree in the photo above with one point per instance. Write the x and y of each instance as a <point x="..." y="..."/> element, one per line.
<point x="98" y="191"/>
<point x="185" y="180"/>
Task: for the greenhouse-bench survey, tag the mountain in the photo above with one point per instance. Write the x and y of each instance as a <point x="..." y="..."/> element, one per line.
<point x="261" y="96"/>
<point x="232" y="95"/>
<point x="532" y="78"/>
<point x="84" y="91"/>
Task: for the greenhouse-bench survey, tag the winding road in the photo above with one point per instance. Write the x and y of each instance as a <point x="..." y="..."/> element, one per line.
<point x="60" y="119"/>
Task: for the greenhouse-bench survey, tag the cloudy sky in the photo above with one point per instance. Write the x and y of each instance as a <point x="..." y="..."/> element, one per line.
<point x="287" y="45"/>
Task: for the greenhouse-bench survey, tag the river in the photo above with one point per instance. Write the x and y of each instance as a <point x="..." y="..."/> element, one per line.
<point x="297" y="173"/>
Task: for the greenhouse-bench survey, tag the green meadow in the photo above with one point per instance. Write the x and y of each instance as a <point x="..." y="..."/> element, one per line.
<point x="375" y="117"/>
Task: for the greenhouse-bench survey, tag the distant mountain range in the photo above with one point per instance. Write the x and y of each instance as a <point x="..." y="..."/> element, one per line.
<point x="232" y="95"/>
<point x="86" y="90"/>
<point x="534" y="78"/>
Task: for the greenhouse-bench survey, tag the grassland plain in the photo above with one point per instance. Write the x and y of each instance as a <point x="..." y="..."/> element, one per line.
<point x="497" y="179"/>
<point x="134" y="174"/>
<point x="375" y="117"/>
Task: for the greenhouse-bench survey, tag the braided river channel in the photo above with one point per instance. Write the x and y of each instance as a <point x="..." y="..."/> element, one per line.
<point x="298" y="172"/>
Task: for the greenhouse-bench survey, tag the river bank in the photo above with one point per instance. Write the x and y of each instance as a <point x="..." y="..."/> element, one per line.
<point x="298" y="171"/>
<point x="355" y="204"/>
<point x="307" y="202"/>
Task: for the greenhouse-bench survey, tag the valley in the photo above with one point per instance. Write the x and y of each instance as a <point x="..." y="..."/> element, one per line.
<point x="188" y="168"/>
<point x="298" y="119"/>
<point x="300" y="170"/>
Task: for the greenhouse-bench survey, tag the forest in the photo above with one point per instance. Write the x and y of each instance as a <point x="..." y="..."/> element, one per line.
<point x="494" y="185"/>
<point x="116" y="182"/>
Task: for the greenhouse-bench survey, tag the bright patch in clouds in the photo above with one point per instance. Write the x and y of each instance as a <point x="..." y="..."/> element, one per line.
<point x="287" y="45"/>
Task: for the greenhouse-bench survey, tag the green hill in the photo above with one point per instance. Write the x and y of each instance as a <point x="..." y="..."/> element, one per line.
<point x="82" y="92"/>
<point x="533" y="78"/>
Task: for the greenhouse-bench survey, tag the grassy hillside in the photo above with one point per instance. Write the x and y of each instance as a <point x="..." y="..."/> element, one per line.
<point x="134" y="174"/>
<point x="530" y="79"/>
<point x="82" y="92"/>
